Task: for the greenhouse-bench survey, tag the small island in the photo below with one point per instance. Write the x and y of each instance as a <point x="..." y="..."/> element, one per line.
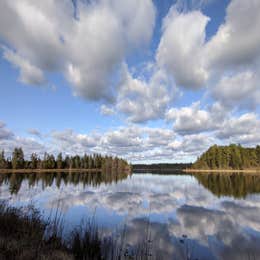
<point x="228" y="159"/>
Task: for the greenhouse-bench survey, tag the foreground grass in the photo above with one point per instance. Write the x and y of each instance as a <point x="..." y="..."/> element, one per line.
<point x="25" y="235"/>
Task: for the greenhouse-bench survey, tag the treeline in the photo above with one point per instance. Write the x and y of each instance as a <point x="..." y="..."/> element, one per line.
<point x="160" y="167"/>
<point x="49" y="161"/>
<point x="234" y="157"/>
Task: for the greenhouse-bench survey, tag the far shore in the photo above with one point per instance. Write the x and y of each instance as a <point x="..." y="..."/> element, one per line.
<point x="222" y="170"/>
<point x="48" y="170"/>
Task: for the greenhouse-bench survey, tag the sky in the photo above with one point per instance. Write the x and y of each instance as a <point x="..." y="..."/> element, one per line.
<point x="149" y="81"/>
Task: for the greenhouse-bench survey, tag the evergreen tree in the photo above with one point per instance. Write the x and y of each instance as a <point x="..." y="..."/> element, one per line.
<point x="34" y="161"/>
<point x="60" y="163"/>
<point x="18" y="159"/>
<point x="3" y="162"/>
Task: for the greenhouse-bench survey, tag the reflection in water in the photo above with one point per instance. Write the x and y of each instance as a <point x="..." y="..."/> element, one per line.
<point x="236" y="184"/>
<point x="162" y="216"/>
<point x="56" y="178"/>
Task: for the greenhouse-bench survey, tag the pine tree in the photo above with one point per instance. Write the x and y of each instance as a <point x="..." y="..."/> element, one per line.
<point x="34" y="161"/>
<point x="18" y="159"/>
<point x="3" y="162"/>
<point x="60" y="164"/>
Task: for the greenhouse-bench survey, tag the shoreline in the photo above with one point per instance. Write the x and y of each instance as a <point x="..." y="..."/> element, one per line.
<point x="222" y="171"/>
<point x="49" y="170"/>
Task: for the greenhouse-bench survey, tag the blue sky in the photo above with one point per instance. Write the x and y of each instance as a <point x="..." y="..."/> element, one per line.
<point x="151" y="81"/>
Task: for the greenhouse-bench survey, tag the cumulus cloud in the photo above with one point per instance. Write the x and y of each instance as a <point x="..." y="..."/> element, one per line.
<point x="191" y="120"/>
<point x="4" y="132"/>
<point x="131" y="142"/>
<point x="29" y="74"/>
<point x="28" y="145"/>
<point x="9" y="140"/>
<point x="34" y="132"/>
<point x="90" y="47"/>
<point x="237" y="40"/>
<point x="238" y="126"/>
<point x="70" y="142"/>
<point x="192" y="145"/>
<point x="244" y="129"/>
<point x="180" y="50"/>
<point x="239" y="90"/>
<point x="74" y="46"/>
<point x="107" y="111"/>
<point x="143" y="100"/>
<point x="193" y="62"/>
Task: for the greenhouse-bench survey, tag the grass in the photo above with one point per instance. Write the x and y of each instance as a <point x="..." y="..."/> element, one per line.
<point x="24" y="234"/>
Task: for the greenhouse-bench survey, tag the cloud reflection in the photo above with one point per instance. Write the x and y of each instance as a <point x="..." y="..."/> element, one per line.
<point x="159" y="210"/>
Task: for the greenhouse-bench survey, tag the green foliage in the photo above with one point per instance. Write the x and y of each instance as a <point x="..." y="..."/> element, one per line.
<point x="60" y="163"/>
<point x="18" y="159"/>
<point x="95" y="161"/>
<point x="233" y="157"/>
<point x="3" y="163"/>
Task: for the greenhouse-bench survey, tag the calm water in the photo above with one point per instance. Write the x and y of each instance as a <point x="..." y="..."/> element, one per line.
<point x="181" y="216"/>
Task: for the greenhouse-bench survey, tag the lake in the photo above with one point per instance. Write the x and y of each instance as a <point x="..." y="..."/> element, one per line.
<point x="178" y="216"/>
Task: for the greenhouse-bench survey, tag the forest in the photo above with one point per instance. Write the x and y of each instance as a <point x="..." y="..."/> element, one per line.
<point x="233" y="157"/>
<point x="49" y="161"/>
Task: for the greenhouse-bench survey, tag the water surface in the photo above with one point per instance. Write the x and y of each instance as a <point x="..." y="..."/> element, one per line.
<point x="209" y="216"/>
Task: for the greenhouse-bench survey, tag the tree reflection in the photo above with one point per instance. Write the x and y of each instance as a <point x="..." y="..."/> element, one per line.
<point x="236" y="184"/>
<point x="47" y="179"/>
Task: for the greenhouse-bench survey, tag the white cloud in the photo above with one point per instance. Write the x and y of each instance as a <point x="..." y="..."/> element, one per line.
<point x="180" y="50"/>
<point x="237" y="40"/>
<point x="87" y="50"/>
<point x="29" y="74"/>
<point x="192" y="145"/>
<point x="71" y="142"/>
<point x="193" y="62"/>
<point x="244" y="129"/>
<point x="239" y="90"/>
<point x="4" y="132"/>
<point x="35" y="132"/>
<point x="143" y="100"/>
<point x="107" y="111"/>
<point x="190" y="120"/>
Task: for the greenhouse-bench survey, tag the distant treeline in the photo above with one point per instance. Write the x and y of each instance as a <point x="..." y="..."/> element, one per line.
<point x="161" y="166"/>
<point x="49" y="161"/>
<point x="233" y="157"/>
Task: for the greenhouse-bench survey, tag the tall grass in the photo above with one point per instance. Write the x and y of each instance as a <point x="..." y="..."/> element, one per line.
<point x="25" y="234"/>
